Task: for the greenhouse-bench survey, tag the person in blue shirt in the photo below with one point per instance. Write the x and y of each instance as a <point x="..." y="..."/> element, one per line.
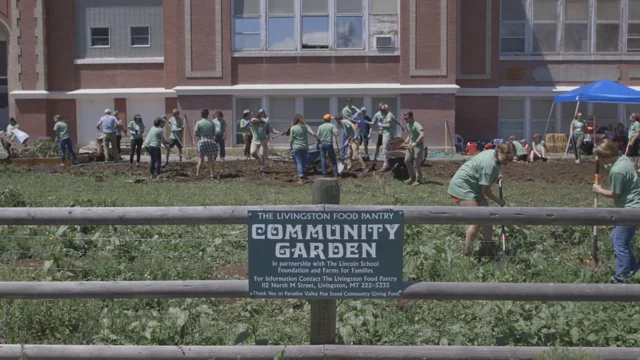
<point x="108" y="124"/>
<point x="364" y="130"/>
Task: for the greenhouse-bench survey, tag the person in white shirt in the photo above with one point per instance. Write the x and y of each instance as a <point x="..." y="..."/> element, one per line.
<point x="108" y="125"/>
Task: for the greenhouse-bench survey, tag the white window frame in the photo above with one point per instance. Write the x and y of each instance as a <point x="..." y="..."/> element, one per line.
<point x="332" y="50"/>
<point x="252" y="17"/>
<point x="90" y="37"/>
<point x="138" y="36"/>
<point x="626" y="36"/>
<point x="591" y="54"/>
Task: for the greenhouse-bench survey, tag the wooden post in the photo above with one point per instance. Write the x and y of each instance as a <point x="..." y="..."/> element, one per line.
<point x="323" y="312"/>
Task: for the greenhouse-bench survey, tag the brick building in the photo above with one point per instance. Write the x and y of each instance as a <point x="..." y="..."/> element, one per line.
<point x="487" y="67"/>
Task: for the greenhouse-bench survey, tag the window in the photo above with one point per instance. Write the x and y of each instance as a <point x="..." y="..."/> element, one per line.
<point x="303" y="25"/>
<point x="314" y="111"/>
<point x="280" y="25"/>
<point x="539" y="115"/>
<point x="253" y="104"/>
<point x="570" y="27"/>
<point x="280" y="112"/>
<point x="511" y="118"/>
<point x="246" y="24"/>
<point x="140" y="36"/>
<point x="100" y="37"/>
<point x="633" y="26"/>
<point x="315" y="24"/>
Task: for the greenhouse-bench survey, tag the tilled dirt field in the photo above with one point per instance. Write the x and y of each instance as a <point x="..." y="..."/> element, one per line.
<point x="282" y="173"/>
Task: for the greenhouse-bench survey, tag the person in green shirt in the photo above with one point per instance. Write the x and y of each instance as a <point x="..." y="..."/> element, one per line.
<point x="519" y="150"/>
<point x="538" y="149"/>
<point x="221" y="132"/>
<point x="260" y="130"/>
<point x="350" y="130"/>
<point x="62" y="131"/>
<point x="389" y="128"/>
<point x="634" y="138"/>
<point x="119" y="129"/>
<point x="348" y="113"/>
<point x="245" y="129"/>
<point x="471" y="186"/>
<point x="205" y="131"/>
<point x="625" y="192"/>
<point x="576" y="135"/>
<point x="299" y="144"/>
<point x="415" y="151"/>
<point x="136" y="128"/>
<point x="177" y="134"/>
<point x="154" y="140"/>
<point x="327" y="134"/>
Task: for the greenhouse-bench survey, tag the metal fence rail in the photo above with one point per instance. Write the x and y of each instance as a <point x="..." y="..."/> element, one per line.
<point x="323" y="312"/>
<point x="221" y="215"/>
<point x="317" y="352"/>
<point x="240" y="289"/>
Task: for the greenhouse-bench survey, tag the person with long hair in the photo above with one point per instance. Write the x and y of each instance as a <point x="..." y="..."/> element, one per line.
<point x="155" y="139"/>
<point x="327" y="137"/>
<point x="471" y="186"/>
<point x="136" y="128"/>
<point x="634" y="138"/>
<point x="538" y="149"/>
<point x="205" y="131"/>
<point x="299" y="144"/>
<point x="625" y="192"/>
<point x="62" y="130"/>
<point x="177" y="135"/>
<point x="119" y="129"/>
<point x="576" y="134"/>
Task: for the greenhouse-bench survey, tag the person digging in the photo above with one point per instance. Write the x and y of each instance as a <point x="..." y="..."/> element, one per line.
<point x="414" y="154"/>
<point x="471" y="186"/>
<point x="205" y="131"/>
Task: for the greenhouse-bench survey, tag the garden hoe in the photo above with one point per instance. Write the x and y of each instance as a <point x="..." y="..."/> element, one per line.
<point x="594" y="251"/>
<point x="503" y="235"/>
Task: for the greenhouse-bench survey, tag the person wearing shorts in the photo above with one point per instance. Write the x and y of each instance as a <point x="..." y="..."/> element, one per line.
<point x="471" y="186"/>
<point x="625" y="192"/>
<point x="260" y="131"/>
<point x="634" y="138"/>
<point x="205" y="131"/>
<point x="177" y="132"/>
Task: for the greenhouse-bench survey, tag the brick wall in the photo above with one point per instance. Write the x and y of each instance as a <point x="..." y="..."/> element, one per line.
<point x="477" y="117"/>
<point x="431" y="111"/>
<point x="119" y="76"/>
<point x="60" y="45"/>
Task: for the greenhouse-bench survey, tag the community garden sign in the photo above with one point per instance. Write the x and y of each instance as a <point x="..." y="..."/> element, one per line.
<point x="326" y="254"/>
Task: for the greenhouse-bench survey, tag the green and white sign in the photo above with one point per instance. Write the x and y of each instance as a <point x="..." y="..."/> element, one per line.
<point x="326" y="255"/>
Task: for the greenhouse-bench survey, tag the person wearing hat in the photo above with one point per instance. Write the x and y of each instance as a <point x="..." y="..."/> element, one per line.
<point x="221" y="133"/>
<point x="327" y="133"/>
<point x="415" y="153"/>
<point x="177" y="134"/>
<point x="348" y="113"/>
<point x="136" y="128"/>
<point x="352" y="147"/>
<point x="245" y="129"/>
<point x="260" y="130"/>
<point x="108" y="125"/>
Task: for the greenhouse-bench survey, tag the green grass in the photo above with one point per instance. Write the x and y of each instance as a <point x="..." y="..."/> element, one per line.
<point x="432" y="253"/>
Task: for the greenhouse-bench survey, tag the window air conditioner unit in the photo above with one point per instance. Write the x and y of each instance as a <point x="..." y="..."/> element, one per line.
<point x="384" y="42"/>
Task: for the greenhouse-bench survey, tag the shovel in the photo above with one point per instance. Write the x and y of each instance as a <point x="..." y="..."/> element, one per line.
<point x="342" y="164"/>
<point x="503" y="236"/>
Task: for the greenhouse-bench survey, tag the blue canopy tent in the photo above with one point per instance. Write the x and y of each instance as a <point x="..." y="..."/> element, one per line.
<point x="601" y="91"/>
